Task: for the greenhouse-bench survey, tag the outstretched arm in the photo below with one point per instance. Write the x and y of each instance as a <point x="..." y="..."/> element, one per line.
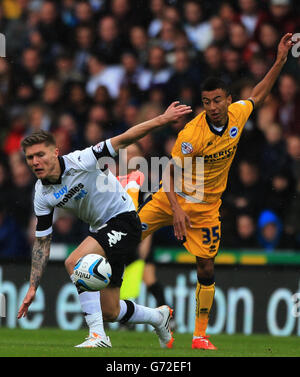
<point x="264" y="87"/>
<point x="172" y="114"/>
<point x="40" y="257"/>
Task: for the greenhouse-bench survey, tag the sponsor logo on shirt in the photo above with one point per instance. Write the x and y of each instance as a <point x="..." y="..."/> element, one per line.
<point x="186" y="148"/>
<point x="61" y="192"/>
<point x="98" y="148"/>
<point x="233" y="132"/>
<point x="144" y="227"/>
<point x="77" y="192"/>
<point x="222" y="155"/>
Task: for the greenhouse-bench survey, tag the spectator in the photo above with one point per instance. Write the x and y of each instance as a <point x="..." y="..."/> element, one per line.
<point x="293" y="149"/>
<point x="84" y="44"/>
<point x="185" y="73"/>
<point x="139" y="42"/>
<point x="246" y="237"/>
<point x="268" y="40"/>
<point x="17" y="29"/>
<point x="51" y="27"/>
<point x="102" y="74"/>
<point x="247" y="193"/>
<point x="249" y="15"/>
<point x="219" y="31"/>
<point x="67" y="124"/>
<point x="110" y="43"/>
<point x="13" y="243"/>
<point x="157" y="8"/>
<point x="65" y="68"/>
<point x="288" y="110"/>
<point x="5" y="182"/>
<point x="77" y="102"/>
<point x="125" y="15"/>
<point x="172" y="14"/>
<point x="271" y="235"/>
<point x="274" y="156"/>
<point x="292" y="224"/>
<point x="240" y="41"/>
<point x="39" y="118"/>
<point x="213" y="61"/>
<point x="132" y="71"/>
<point x="227" y="12"/>
<point x="258" y="67"/>
<point x="279" y="192"/>
<point x="233" y="64"/>
<point x="198" y="30"/>
<point x="167" y="36"/>
<point x="31" y="69"/>
<point x="84" y="13"/>
<point x="281" y="15"/>
<point x="16" y="132"/>
<point x="52" y="96"/>
<point x="21" y="195"/>
<point x="157" y="72"/>
<point x="93" y="133"/>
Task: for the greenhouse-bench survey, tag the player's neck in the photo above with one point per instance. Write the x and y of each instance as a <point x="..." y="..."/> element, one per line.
<point x="55" y="173"/>
<point x="222" y="123"/>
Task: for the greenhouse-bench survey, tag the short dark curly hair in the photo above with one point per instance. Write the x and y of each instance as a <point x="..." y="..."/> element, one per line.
<point x="213" y="83"/>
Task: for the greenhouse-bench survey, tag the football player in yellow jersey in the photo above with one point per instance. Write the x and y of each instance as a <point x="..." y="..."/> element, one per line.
<point x="190" y="200"/>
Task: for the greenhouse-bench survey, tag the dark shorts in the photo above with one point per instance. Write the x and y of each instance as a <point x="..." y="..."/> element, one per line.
<point x="120" y="238"/>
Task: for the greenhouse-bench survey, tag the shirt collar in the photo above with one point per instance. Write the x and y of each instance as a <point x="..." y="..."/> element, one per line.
<point x="62" y="165"/>
<point x="213" y="130"/>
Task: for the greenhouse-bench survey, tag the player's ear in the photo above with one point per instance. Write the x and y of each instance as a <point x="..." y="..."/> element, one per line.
<point x="56" y="152"/>
<point x="229" y="100"/>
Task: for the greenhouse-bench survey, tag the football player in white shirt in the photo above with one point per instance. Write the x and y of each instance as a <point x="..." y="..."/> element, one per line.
<point x="74" y="182"/>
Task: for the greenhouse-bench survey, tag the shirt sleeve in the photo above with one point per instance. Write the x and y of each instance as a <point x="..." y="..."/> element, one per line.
<point x="87" y="158"/>
<point x="104" y="149"/>
<point x="184" y="146"/>
<point x="243" y="110"/>
<point x="44" y="214"/>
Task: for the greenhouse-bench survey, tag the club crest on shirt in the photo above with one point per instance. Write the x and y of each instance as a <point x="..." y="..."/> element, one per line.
<point x="233" y="132"/>
<point x="98" y="147"/>
<point x="186" y="148"/>
<point x="144" y="227"/>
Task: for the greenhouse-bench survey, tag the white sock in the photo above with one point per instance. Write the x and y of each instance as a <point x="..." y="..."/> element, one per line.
<point x="90" y="302"/>
<point x="90" y="305"/>
<point x="141" y="314"/>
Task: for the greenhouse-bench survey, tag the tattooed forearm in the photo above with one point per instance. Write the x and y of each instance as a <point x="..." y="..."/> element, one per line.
<point x="40" y="257"/>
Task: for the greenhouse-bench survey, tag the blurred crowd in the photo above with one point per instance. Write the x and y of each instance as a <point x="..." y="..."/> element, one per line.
<point x="88" y="70"/>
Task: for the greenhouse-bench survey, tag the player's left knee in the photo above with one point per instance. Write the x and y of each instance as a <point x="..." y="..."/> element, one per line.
<point x="69" y="264"/>
<point x="205" y="270"/>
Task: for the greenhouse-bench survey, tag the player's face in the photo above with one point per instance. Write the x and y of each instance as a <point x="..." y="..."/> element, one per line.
<point x="42" y="160"/>
<point x="216" y="104"/>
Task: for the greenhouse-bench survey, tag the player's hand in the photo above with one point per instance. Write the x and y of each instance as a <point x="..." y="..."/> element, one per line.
<point x="174" y="112"/>
<point x="284" y="46"/>
<point x="180" y="221"/>
<point x="26" y="302"/>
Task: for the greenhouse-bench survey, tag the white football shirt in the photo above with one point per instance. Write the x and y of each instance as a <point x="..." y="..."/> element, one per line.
<point x="92" y="194"/>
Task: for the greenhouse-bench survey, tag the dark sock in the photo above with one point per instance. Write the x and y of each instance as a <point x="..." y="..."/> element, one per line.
<point x="157" y="291"/>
